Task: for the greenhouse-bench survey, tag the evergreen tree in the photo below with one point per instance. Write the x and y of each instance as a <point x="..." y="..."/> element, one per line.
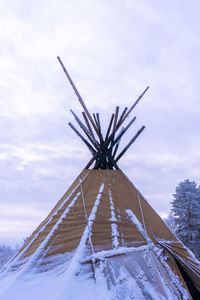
<point x="170" y="222"/>
<point x="186" y="209"/>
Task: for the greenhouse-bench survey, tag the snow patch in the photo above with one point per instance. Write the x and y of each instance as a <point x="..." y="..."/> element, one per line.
<point x="113" y="218"/>
<point x="74" y="266"/>
<point x="113" y="252"/>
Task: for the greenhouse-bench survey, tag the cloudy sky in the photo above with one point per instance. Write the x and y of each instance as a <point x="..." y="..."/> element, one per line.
<point x="113" y="50"/>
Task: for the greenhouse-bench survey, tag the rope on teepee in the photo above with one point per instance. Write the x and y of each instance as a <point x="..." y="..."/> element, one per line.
<point x="89" y="231"/>
<point x="145" y="230"/>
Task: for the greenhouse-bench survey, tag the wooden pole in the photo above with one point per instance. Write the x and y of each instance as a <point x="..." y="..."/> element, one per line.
<point x="136" y="102"/>
<point x="124" y="130"/>
<point x="121" y="117"/>
<point x="109" y="127"/>
<point x="88" y="125"/>
<point x="117" y="143"/>
<point x="78" y="95"/>
<point x="82" y="138"/>
<point x="130" y="143"/>
<point x="84" y="129"/>
<point x="99" y="127"/>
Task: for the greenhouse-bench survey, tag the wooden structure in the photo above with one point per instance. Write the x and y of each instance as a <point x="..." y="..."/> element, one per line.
<point x="103" y="148"/>
<point x="102" y="234"/>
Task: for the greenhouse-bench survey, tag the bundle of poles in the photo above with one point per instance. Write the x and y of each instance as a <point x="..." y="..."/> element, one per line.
<point x="103" y="149"/>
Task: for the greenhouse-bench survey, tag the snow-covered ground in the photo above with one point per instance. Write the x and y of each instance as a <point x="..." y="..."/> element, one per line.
<point x="126" y="273"/>
<point x="50" y="286"/>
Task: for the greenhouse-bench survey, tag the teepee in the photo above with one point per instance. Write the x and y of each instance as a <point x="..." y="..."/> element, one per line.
<point x="102" y="240"/>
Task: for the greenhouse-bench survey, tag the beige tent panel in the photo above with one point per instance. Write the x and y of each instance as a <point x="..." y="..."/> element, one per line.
<point x="186" y="259"/>
<point x="106" y="209"/>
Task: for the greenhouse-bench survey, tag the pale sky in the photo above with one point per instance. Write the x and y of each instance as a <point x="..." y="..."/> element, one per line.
<point x="112" y="50"/>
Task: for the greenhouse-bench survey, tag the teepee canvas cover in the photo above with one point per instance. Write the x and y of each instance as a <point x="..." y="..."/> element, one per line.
<point x="103" y="230"/>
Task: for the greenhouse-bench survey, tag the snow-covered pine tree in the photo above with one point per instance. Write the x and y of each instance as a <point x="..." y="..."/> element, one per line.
<point x="185" y="209"/>
<point x="170" y="222"/>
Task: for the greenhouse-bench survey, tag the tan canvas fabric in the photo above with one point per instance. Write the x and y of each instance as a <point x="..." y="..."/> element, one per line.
<point x="159" y="232"/>
<point x="104" y="207"/>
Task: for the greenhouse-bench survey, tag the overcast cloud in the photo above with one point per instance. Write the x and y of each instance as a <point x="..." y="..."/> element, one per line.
<point x="113" y="50"/>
